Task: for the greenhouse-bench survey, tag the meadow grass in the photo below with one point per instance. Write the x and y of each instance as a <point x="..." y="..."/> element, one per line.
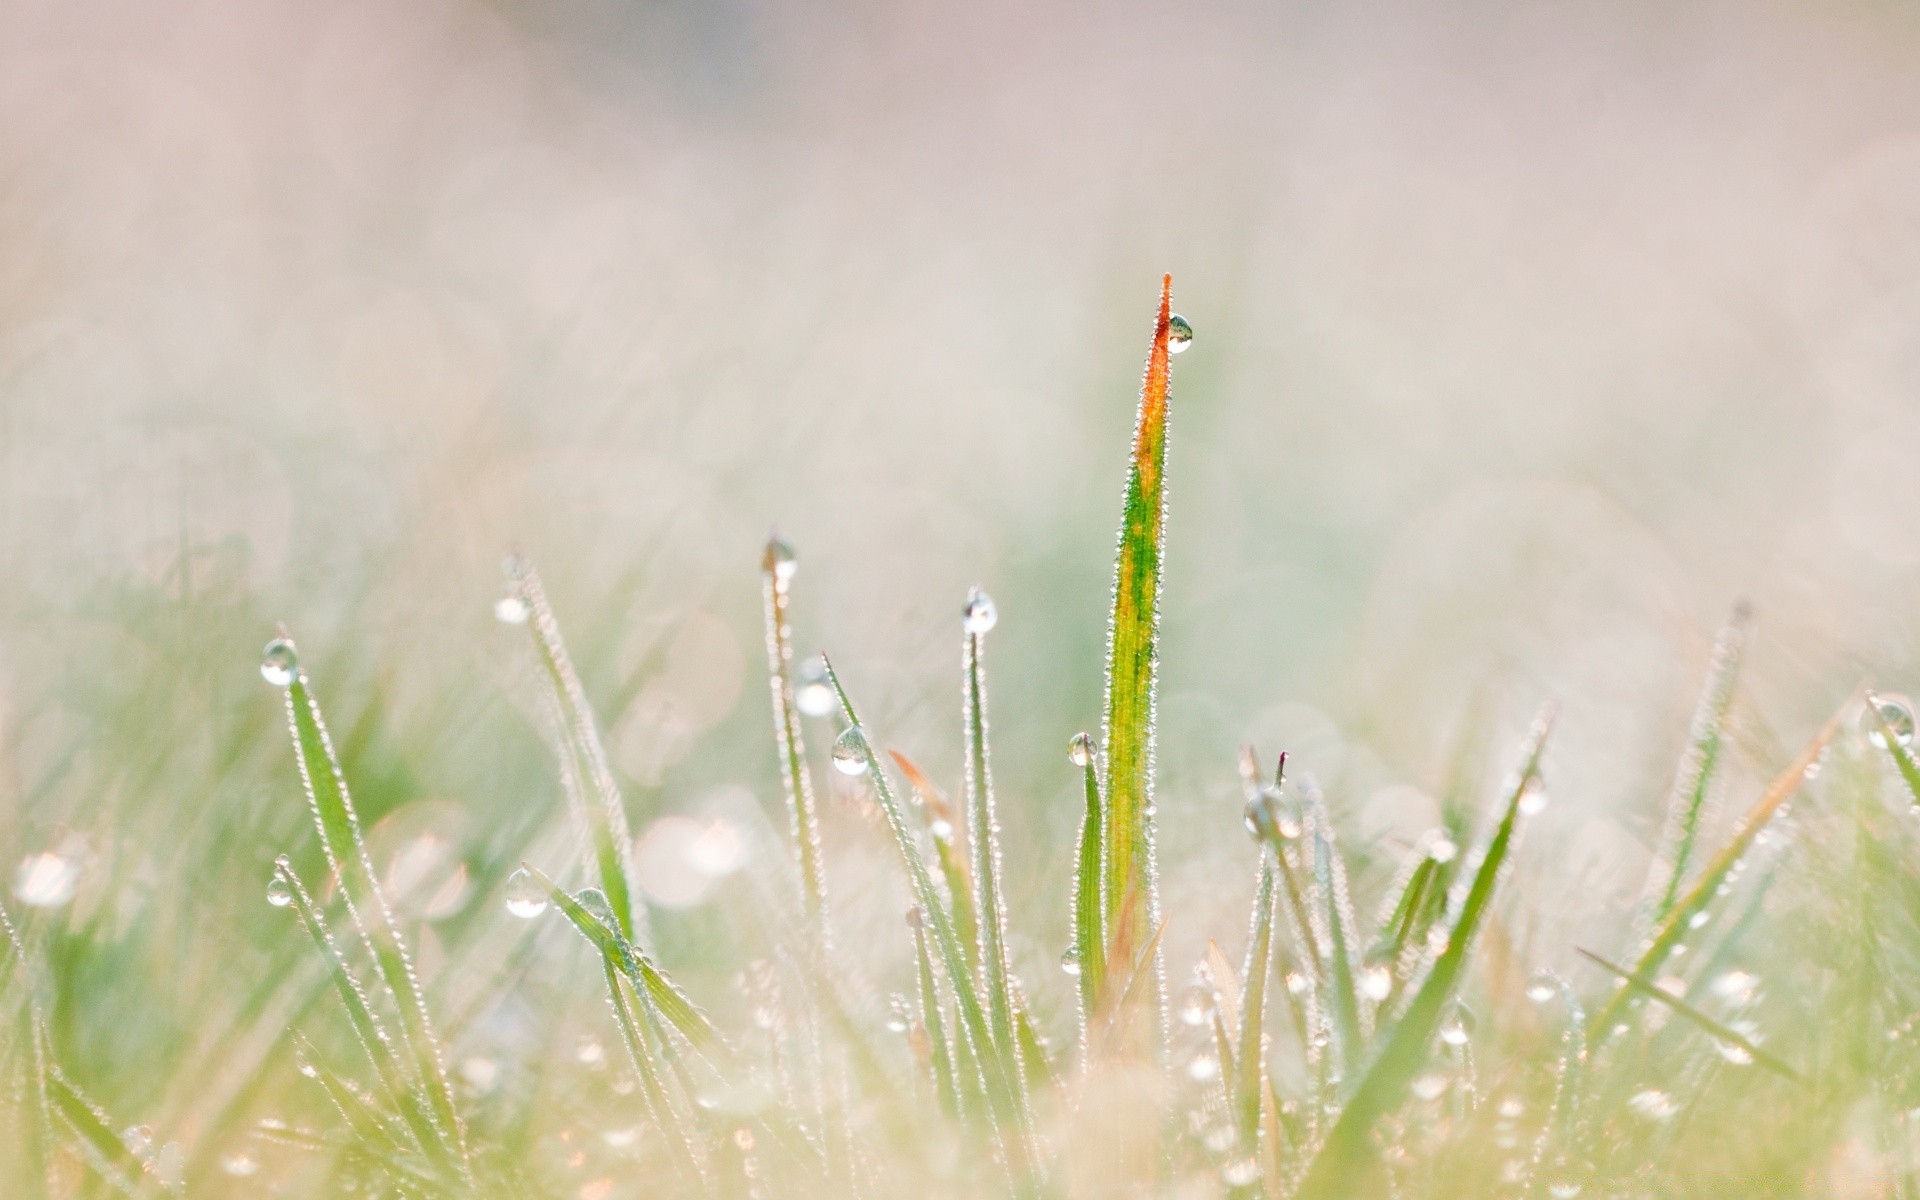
<point x="1755" y="1038"/>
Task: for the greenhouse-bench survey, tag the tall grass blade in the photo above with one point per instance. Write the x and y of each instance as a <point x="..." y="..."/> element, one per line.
<point x="1671" y="930"/>
<point x="1646" y="987"/>
<point x="1089" y="913"/>
<point x="584" y="765"/>
<point x="634" y="1026"/>
<point x="1347" y="1155"/>
<point x="367" y="906"/>
<point x="1334" y="918"/>
<point x="949" y="852"/>
<point x="933" y="1019"/>
<point x="1704" y="740"/>
<point x="777" y="567"/>
<point x="98" y="1143"/>
<point x="1250" y="1072"/>
<point x="983" y="837"/>
<point x="1132" y="663"/>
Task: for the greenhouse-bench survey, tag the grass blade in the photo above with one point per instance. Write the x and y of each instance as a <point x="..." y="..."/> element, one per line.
<point x="1334" y="916"/>
<point x="1348" y="1152"/>
<point x="1648" y="988"/>
<point x="99" y="1144"/>
<point x="933" y="1019"/>
<point x="949" y="854"/>
<point x="1675" y="926"/>
<point x="584" y="764"/>
<point x="983" y="838"/>
<point x="1902" y="757"/>
<point x="1132" y="656"/>
<point x="1250" y="1062"/>
<point x="372" y="916"/>
<point x="1704" y="740"/>
<point x="1089" y="923"/>
<point x="777" y="567"/>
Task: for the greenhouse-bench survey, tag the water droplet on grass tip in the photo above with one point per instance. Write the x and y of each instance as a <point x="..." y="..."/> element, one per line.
<point x="1457" y="1026"/>
<point x="850" y="752"/>
<point x="1179" y="334"/>
<point x="1543" y="987"/>
<point x="279" y="662"/>
<point x="511" y="608"/>
<point x="279" y="893"/>
<point x="138" y="1140"/>
<point x="812" y="694"/>
<point x="1080" y="749"/>
<point x="1070" y="961"/>
<point x="1196" y="1004"/>
<point x="1273" y="814"/>
<point x="526" y="898"/>
<point x="598" y="907"/>
<point x="1376" y="980"/>
<point x="980" y="615"/>
<point x="779" y="560"/>
<point x="1533" y="800"/>
<point x="1895" y="711"/>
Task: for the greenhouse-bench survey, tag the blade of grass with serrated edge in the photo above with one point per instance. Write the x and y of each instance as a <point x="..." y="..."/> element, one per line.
<point x="1902" y="757"/>
<point x="646" y="1067"/>
<point x="382" y="1055"/>
<point x="983" y="838"/>
<point x="949" y="854"/>
<point x="1031" y="1046"/>
<point x="1674" y="927"/>
<point x="1130" y="994"/>
<point x="1653" y="991"/>
<point x="1335" y="917"/>
<point x="1089" y="924"/>
<point x="673" y="1004"/>
<point x="1348" y="1151"/>
<point x="367" y="1122"/>
<point x="1132" y="655"/>
<point x="1695" y="776"/>
<point x="101" y="1146"/>
<point x="38" y="1059"/>
<point x="584" y="761"/>
<point x="776" y="568"/>
<point x="347" y="855"/>
<point x="996" y="1072"/>
<point x="934" y="1021"/>
<point x="1250" y="1069"/>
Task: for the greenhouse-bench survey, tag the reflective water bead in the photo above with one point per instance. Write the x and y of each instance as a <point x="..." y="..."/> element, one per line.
<point x="526" y="898"/>
<point x="899" y="1018"/>
<point x="1543" y="987"/>
<point x="1653" y="1104"/>
<point x="850" y="752"/>
<point x="1457" y="1026"/>
<point x="779" y="560"/>
<point x="1533" y="799"/>
<point x="46" y="880"/>
<point x="1080" y="749"/>
<point x="1203" y="1067"/>
<point x="1272" y="814"/>
<point x="138" y="1139"/>
<point x="1179" y="334"/>
<point x="279" y="894"/>
<point x="1070" y="961"/>
<point x="980" y="615"/>
<point x="279" y="662"/>
<point x="812" y="694"/>
<point x="1895" y="712"/>
<point x="511" y="608"/>
<point x="1196" y="1004"/>
<point x="1443" y="849"/>
<point x="597" y="905"/>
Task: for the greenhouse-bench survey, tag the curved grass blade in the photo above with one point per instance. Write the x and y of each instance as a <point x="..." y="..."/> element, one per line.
<point x="1902" y="757"/>
<point x="1347" y="1155"/>
<point x="934" y="1021"/>
<point x="99" y="1144"/>
<point x="1089" y="914"/>
<point x="1704" y="740"/>
<point x="949" y="855"/>
<point x="368" y="1124"/>
<point x="996" y="1073"/>
<point x="1675" y="926"/>
<point x="1250" y="1061"/>
<point x="983" y="838"/>
<point x="1648" y="988"/>
<point x="1132" y="657"/>
<point x="584" y="764"/>
<point x="777" y="568"/>
<point x="1334" y="918"/>
<point x="653" y="1081"/>
<point x="372" y="916"/>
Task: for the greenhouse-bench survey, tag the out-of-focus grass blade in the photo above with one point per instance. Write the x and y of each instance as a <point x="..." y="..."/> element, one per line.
<point x="933" y="1020"/>
<point x="1648" y="988"/>
<point x="1115" y="1015"/>
<point x="1902" y="757"/>
<point x="1031" y="1046"/>
<point x="983" y="837"/>
<point x="1704" y="740"/>
<point x="1675" y="926"/>
<point x="1089" y="913"/>
<point x="1347" y="1154"/>
<point x="949" y="855"/>
<point x="584" y="764"/>
<point x="1132" y="657"/>
<point x="634" y="1028"/>
<point x="1250" y="1063"/>
<point x="1335" y="918"/>
<point x="996" y="1072"/>
<point x="660" y="991"/>
<point x="777" y="567"/>
<point x="368" y="1124"/>
<point x="102" y="1147"/>
<point x="372" y="916"/>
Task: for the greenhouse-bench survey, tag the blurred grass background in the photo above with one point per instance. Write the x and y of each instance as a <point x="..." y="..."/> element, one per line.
<point x="1527" y="340"/>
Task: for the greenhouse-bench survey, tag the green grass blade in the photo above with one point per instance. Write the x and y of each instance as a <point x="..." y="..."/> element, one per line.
<point x="1648" y="988"/>
<point x="949" y="855"/>
<point x="1675" y="926"/>
<point x="1089" y="923"/>
<point x="1902" y="757"/>
<point x="777" y="568"/>
<point x="99" y="1144"/>
<point x="366" y="902"/>
<point x="1704" y="740"/>
<point x="363" y="1118"/>
<point x="996" y="1072"/>
<point x="933" y="1020"/>
<point x="584" y="764"/>
<point x="1334" y="917"/>
<point x="654" y="1088"/>
<point x="1250" y="1061"/>
<point x="983" y="838"/>
<point x="1133" y="649"/>
<point x="1347" y="1155"/>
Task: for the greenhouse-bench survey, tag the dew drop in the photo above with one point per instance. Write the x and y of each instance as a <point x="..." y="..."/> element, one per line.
<point x="1543" y="987"/>
<point x="279" y="893"/>
<point x="1699" y="919"/>
<point x="1203" y="1067"/>
<point x="1196" y="1004"/>
<point x="1897" y="713"/>
<point x="1080" y="749"/>
<point x="1443" y="849"/>
<point x="511" y="608"/>
<point x="1295" y="982"/>
<point x="1457" y="1026"/>
<point x="1273" y="814"/>
<point x="1653" y="1104"/>
<point x="1429" y="1087"/>
<point x="899" y="1018"/>
<point x="1179" y="334"/>
<point x="980" y="615"/>
<point x="621" y="1137"/>
<point x="480" y="1073"/>
<point x="850" y="752"/>
<point x="1735" y="1053"/>
<point x="779" y="560"/>
<point x="1070" y="961"/>
<point x="526" y="899"/>
<point x="1240" y="1172"/>
<point x="1533" y="800"/>
<point x="1376" y="980"/>
<point x="239" y="1164"/>
<point x="589" y="1052"/>
<point x="138" y="1140"/>
<point x="916" y="916"/>
<point x="812" y="694"/>
<point x="595" y="902"/>
<point x="46" y="880"/>
<point x="279" y="662"/>
<point x="1512" y="1107"/>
